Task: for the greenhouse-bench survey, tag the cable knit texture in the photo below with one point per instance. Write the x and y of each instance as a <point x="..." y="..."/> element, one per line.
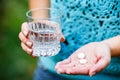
<point x="85" y="21"/>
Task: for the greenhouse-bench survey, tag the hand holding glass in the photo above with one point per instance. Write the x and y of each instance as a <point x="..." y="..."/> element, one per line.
<point x="44" y="31"/>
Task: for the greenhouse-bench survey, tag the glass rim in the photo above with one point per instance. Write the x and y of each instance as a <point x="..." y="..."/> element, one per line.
<point x="29" y="11"/>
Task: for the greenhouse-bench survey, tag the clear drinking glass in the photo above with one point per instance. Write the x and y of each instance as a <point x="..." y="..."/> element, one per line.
<point x="44" y="31"/>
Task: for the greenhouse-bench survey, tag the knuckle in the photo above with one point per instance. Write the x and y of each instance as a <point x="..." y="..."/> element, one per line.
<point x="23" y="26"/>
<point x="25" y="48"/>
<point x="22" y="38"/>
<point x="20" y="35"/>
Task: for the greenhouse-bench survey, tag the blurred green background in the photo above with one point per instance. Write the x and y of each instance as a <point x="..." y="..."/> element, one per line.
<point x="15" y="64"/>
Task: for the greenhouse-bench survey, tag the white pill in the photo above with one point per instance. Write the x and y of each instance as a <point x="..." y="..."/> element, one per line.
<point x="81" y="55"/>
<point x="83" y="61"/>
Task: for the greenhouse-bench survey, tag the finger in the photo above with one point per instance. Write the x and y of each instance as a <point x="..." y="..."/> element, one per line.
<point x="62" y="68"/>
<point x="62" y="38"/>
<point x="22" y="37"/>
<point x="25" y="40"/>
<point x="26" y="49"/>
<point x="63" y="64"/>
<point x="66" y="61"/>
<point x="25" y="29"/>
<point x="99" y="66"/>
<point x="60" y="71"/>
<point x="77" y="70"/>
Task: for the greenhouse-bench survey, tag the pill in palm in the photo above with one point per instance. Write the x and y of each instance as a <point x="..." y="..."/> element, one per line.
<point x="83" y="61"/>
<point x="81" y="55"/>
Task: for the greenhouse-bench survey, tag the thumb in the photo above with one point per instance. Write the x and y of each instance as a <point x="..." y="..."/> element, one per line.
<point x="62" y="38"/>
<point x="99" y="66"/>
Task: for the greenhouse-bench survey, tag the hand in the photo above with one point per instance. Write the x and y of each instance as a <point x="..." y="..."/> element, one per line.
<point x="26" y="44"/>
<point x="97" y="56"/>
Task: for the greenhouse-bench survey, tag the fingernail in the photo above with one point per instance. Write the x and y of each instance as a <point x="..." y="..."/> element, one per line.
<point x="55" y="67"/>
<point x="25" y="33"/>
<point x="68" y="72"/>
<point x="29" y="43"/>
<point x="62" y="39"/>
<point x="29" y="50"/>
<point x="58" y="72"/>
<point x="92" y="74"/>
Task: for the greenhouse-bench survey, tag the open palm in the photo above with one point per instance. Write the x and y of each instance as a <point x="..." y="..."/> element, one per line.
<point x="97" y="56"/>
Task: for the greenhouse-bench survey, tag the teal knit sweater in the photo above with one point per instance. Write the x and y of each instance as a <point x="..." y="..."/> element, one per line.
<point x="85" y="21"/>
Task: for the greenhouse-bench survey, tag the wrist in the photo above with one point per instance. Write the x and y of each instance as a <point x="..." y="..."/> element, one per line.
<point x="105" y="43"/>
<point x="114" y="45"/>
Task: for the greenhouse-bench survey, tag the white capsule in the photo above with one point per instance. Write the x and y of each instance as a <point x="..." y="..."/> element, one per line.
<point x="83" y="61"/>
<point x="81" y="55"/>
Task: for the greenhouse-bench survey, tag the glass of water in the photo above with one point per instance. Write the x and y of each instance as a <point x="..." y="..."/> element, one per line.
<point x="44" y="31"/>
